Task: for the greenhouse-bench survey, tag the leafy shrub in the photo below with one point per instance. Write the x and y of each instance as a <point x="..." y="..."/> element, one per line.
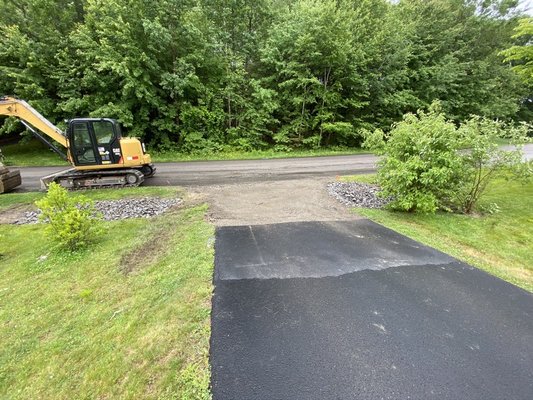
<point x="428" y="163"/>
<point x="485" y="159"/>
<point x="71" y="220"/>
<point x="201" y="129"/>
<point x="342" y="133"/>
<point x="421" y="167"/>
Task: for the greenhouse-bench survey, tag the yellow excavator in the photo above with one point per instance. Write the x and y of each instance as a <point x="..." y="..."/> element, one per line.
<point x="100" y="156"/>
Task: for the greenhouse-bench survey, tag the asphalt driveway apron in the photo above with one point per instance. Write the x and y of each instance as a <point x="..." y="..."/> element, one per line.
<point x="352" y="310"/>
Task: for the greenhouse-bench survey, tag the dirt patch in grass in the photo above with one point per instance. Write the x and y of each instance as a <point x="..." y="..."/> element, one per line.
<point x="147" y="253"/>
<point x="14" y="213"/>
<point x="156" y="243"/>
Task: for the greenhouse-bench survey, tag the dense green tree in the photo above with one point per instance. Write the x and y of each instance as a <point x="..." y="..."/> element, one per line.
<point x="454" y="56"/>
<point x="143" y="63"/>
<point x="314" y="58"/>
<point x="521" y="55"/>
<point x="240" y="27"/>
<point x="32" y="32"/>
<point x="206" y="75"/>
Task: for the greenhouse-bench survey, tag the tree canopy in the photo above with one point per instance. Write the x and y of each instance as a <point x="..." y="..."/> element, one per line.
<point x="204" y="75"/>
<point x="521" y="55"/>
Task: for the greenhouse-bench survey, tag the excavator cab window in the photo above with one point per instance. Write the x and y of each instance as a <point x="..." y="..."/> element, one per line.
<point x="95" y="141"/>
<point x="83" y="148"/>
<point x="103" y="131"/>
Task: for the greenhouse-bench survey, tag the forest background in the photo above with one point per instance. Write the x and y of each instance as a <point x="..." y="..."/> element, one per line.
<point x="212" y="75"/>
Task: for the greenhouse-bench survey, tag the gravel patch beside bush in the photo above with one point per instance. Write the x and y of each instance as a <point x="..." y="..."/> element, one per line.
<point x="112" y="210"/>
<point x="356" y="194"/>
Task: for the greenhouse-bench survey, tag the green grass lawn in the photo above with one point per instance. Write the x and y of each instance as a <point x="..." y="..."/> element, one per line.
<point x="501" y="243"/>
<point x="30" y="154"/>
<point x="34" y="153"/>
<point x="253" y="155"/>
<point x="127" y="318"/>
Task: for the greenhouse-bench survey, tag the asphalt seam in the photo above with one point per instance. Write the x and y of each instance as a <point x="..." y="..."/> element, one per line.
<point x="442" y="266"/>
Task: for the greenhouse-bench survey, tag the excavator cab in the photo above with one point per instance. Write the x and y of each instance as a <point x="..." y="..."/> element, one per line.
<point x="95" y="141"/>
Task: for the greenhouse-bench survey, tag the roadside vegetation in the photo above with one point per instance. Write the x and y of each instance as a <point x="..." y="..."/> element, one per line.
<point x="429" y="163"/>
<point x="500" y="243"/>
<point x="126" y="317"/>
<point x="170" y="156"/>
<point x="33" y="153"/>
<point x="30" y="153"/>
<point x="245" y="76"/>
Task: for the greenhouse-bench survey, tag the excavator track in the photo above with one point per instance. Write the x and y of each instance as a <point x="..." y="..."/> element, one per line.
<point x="82" y="180"/>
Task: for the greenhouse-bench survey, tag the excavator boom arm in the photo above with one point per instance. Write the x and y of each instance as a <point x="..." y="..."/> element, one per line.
<point x="12" y="107"/>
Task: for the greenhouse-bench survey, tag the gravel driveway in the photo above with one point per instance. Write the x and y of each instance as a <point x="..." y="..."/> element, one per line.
<point x="272" y="202"/>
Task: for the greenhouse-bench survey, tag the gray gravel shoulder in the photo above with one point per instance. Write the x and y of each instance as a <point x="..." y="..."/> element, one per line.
<point x="355" y="194"/>
<point x="112" y="210"/>
<point x="250" y="203"/>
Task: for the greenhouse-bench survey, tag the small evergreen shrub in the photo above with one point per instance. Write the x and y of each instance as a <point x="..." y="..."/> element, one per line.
<point x="72" y="221"/>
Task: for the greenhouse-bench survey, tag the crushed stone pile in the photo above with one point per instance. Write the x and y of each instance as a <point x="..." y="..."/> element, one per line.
<point x="145" y="207"/>
<point x="112" y="210"/>
<point x="356" y="194"/>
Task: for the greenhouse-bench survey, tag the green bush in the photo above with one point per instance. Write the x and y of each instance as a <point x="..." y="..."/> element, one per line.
<point x="485" y="159"/>
<point x="421" y="167"/>
<point x="72" y="221"/>
<point x="428" y="163"/>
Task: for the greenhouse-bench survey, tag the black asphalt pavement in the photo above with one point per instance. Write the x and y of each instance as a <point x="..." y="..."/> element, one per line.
<point x="352" y="310"/>
<point x="199" y="173"/>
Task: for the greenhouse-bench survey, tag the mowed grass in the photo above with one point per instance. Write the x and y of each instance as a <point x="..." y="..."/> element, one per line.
<point x="30" y="154"/>
<point x="34" y="153"/>
<point x="170" y="156"/>
<point x="127" y="318"/>
<point x="500" y="243"/>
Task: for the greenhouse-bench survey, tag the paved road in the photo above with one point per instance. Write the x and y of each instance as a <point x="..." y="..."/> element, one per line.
<point x="220" y="172"/>
<point x="352" y="310"/>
